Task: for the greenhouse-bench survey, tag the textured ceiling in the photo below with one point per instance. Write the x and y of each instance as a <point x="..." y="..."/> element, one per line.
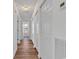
<point x="25" y="15"/>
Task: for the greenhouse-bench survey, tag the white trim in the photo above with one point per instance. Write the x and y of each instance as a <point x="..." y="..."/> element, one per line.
<point x="15" y="52"/>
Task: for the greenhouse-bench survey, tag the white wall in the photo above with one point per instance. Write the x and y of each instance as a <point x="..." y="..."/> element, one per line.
<point x="52" y="25"/>
<point x="19" y="28"/>
<point x="46" y="41"/>
<point x="43" y="40"/>
<point x="59" y="20"/>
<point x="59" y="29"/>
<point x="35" y="36"/>
<point x="14" y="34"/>
<point x="15" y="18"/>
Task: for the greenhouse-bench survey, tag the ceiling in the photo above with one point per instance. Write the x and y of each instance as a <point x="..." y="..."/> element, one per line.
<point x="25" y="8"/>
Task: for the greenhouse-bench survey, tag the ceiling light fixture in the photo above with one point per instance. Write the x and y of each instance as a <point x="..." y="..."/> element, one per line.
<point x="26" y="8"/>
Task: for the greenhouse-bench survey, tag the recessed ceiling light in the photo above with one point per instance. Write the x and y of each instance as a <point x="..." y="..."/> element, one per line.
<point x="26" y="8"/>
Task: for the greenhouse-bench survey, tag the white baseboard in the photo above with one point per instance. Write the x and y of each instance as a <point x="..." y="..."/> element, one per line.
<point x="14" y="52"/>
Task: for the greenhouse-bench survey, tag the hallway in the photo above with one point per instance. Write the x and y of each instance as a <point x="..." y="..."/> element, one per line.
<point x="26" y="51"/>
<point x="40" y="29"/>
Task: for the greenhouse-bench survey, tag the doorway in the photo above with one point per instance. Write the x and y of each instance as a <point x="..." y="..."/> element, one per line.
<point x="26" y="35"/>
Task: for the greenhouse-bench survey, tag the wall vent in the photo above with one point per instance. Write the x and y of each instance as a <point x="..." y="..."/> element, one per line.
<point x="63" y="4"/>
